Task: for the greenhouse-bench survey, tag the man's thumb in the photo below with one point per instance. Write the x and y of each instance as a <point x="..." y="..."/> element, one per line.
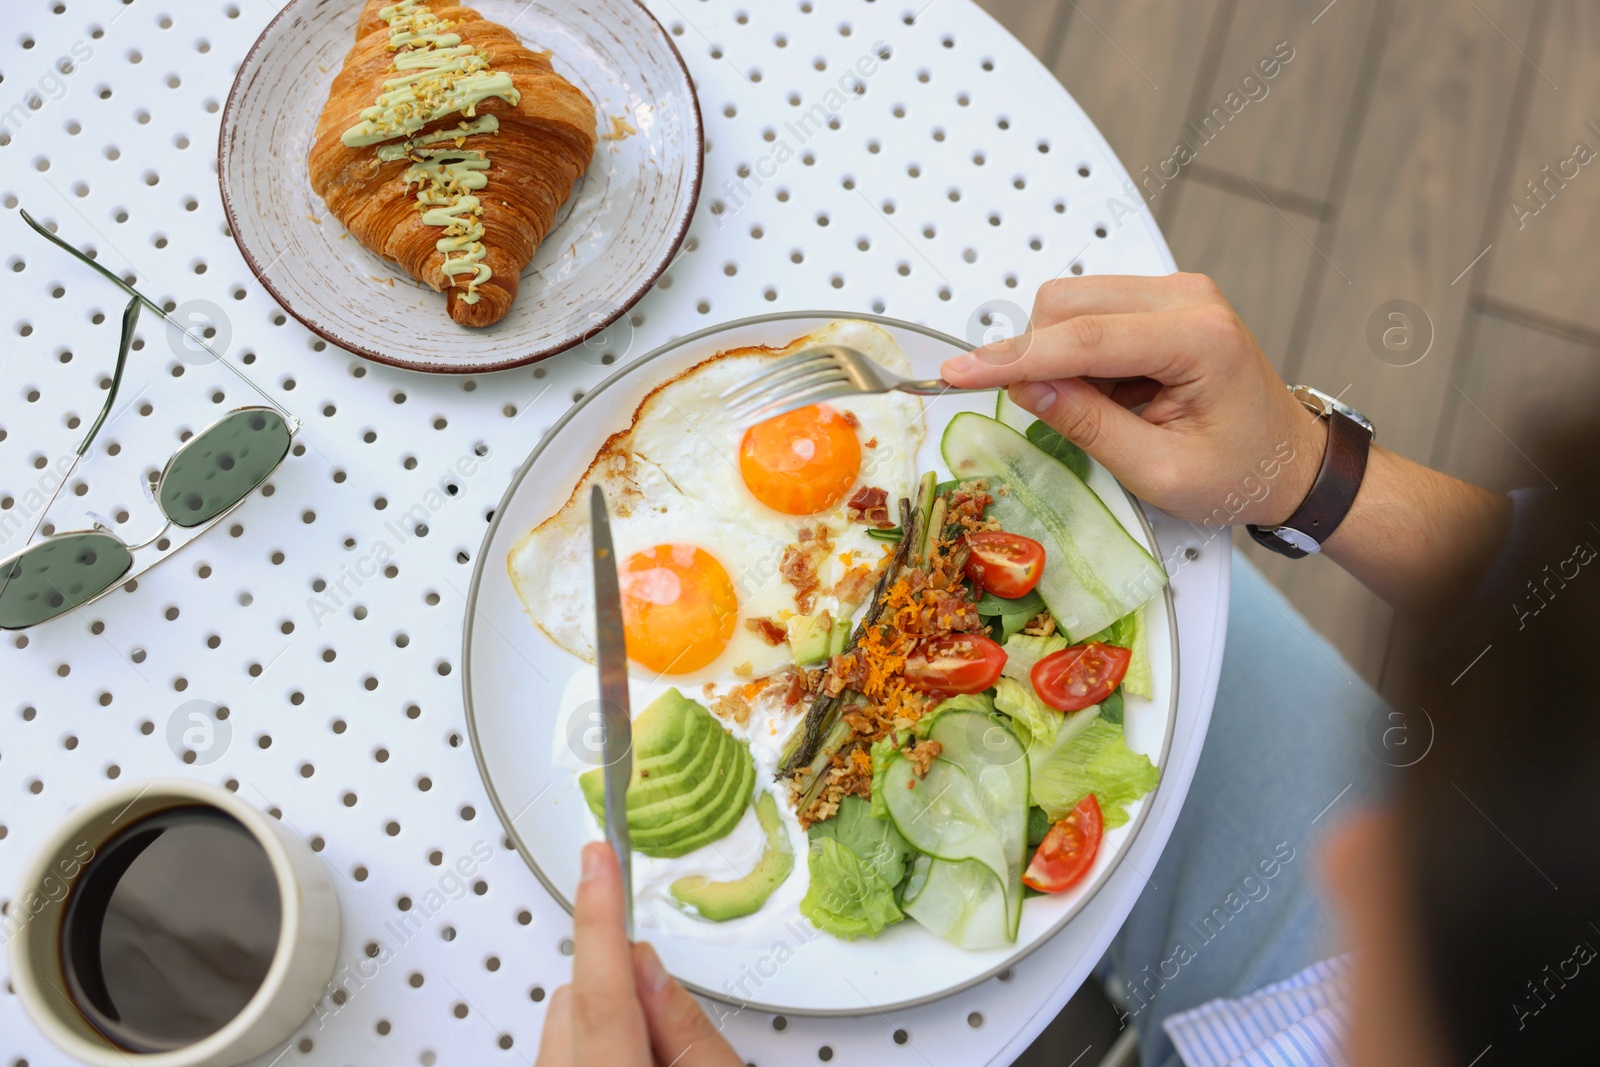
<point x="1113" y="435"/>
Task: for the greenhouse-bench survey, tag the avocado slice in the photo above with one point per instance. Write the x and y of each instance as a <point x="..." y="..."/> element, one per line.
<point x="810" y="639"/>
<point x="657" y="802"/>
<point x="691" y="778"/>
<point x="721" y="901"/>
<point x="668" y="738"/>
<point x="668" y="733"/>
<point x="716" y="819"/>
<point x="662" y="780"/>
<point x="650" y="808"/>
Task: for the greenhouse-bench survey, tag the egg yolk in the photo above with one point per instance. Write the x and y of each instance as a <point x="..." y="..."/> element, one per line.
<point x="678" y="608"/>
<point x="801" y="462"/>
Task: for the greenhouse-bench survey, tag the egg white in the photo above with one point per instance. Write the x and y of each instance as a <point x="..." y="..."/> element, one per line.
<point x="673" y="478"/>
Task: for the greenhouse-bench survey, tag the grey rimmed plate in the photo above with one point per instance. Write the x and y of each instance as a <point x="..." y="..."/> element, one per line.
<point x="613" y="238"/>
<point x="521" y="689"/>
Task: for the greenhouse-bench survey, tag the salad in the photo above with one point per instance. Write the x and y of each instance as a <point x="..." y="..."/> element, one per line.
<point x="966" y="748"/>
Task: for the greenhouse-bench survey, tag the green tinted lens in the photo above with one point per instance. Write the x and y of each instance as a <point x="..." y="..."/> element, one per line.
<point x="219" y="468"/>
<point x="57" y="575"/>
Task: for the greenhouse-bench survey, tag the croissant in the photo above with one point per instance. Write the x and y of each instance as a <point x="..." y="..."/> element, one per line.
<point x="447" y="147"/>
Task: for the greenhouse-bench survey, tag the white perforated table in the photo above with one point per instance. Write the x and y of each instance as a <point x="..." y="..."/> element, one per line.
<point x="958" y="179"/>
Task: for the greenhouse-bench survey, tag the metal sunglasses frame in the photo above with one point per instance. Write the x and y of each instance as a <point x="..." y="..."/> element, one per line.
<point x="130" y="319"/>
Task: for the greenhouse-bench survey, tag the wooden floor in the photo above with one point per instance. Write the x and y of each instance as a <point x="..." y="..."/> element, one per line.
<point x="1417" y="150"/>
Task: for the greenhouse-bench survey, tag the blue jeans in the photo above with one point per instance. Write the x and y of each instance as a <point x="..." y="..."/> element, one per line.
<point x="1235" y="902"/>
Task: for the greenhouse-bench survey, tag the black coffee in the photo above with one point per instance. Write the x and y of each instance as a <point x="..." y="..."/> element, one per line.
<point x="170" y="929"/>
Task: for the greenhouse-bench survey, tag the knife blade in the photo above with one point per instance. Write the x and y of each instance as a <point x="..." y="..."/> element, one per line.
<point x="616" y="721"/>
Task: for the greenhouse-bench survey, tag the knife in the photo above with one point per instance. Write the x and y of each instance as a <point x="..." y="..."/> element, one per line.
<point x="616" y="723"/>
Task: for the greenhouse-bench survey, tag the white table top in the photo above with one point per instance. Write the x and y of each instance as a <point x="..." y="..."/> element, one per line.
<point x="959" y="181"/>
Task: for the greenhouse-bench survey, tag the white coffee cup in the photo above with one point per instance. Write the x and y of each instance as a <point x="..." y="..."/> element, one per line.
<point x="308" y="932"/>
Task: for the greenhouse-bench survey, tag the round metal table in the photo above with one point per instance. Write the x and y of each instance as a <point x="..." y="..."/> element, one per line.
<point x="907" y="158"/>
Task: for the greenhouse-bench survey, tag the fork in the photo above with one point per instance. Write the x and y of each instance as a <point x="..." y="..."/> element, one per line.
<point x="817" y="374"/>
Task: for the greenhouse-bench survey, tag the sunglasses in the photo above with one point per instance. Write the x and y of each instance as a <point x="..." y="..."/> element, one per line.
<point x="210" y="475"/>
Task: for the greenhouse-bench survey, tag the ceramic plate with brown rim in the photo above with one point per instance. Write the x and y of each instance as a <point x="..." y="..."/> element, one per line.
<point x="617" y="232"/>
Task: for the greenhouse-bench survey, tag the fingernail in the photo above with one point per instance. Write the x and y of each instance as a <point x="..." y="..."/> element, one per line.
<point x="1037" y="397"/>
<point x="655" y="976"/>
<point x="960" y="364"/>
<point x="592" y="858"/>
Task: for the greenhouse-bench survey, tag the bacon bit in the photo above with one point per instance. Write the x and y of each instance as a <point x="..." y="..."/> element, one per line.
<point x="801" y="562"/>
<point x="798" y="685"/>
<point x="870" y="505"/>
<point x="850" y="419"/>
<point x="1041" y="625"/>
<point x="911" y="783"/>
<point x="767" y="630"/>
<point x="872" y="442"/>
<point x="800" y="570"/>
<point x="733" y="707"/>
<point x="922" y="755"/>
<point x="855" y="584"/>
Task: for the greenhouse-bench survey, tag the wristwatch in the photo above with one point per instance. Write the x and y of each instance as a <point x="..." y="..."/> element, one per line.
<point x="1344" y="464"/>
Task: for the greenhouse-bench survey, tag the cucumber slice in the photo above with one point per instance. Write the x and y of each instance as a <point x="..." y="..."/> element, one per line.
<point x="971" y="805"/>
<point x="962" y="903"/>
<point x="1097" y="572"/>
<point x="1007" y="411"/>
<point x="1041" y="434"/>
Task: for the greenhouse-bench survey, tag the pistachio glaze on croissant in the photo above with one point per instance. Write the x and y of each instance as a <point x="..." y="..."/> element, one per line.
<point x="447" y="147"/>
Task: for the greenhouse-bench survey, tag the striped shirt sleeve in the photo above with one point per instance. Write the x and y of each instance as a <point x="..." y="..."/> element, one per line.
<point x="1299" y="1022"/>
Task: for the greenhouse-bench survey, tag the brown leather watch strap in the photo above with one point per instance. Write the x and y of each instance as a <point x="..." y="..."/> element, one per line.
<point x="1344" y="465"/>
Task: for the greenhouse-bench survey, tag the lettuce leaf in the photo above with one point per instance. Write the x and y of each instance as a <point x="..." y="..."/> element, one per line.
<point x="846" y="898"/>
<point x="1025" y="650"/>
<point x="875" y="842"/>
<point x="1035" y="723"/>
<point x="1129" y="632"/>
<point x="1097" y="760"/>
<point x="1043" y="730"/>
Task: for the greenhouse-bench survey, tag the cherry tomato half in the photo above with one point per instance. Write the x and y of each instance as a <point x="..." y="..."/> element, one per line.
<point x="1076" y="677"/>
<point x="955" y="663"/>
<point x="1004" y="564"/>
<point x="1067" y="851"/>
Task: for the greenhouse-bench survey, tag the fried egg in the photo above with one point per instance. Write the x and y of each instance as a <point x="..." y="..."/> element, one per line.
<point x="702" y="513"/>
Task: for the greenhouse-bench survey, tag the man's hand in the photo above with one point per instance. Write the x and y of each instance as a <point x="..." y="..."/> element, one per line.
<point x="622" y="1009"/>
<point x="1221" y="438"/>
<point x="1221" y="441"/>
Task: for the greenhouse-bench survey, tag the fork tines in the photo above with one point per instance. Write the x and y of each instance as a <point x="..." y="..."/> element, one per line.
<point x="795" y="381"/>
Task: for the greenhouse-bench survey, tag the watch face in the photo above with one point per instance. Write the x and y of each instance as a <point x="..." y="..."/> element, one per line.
<point x="1295" y="539"/>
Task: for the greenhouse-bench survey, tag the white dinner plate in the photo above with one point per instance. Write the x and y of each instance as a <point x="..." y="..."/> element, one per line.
<point x="520" y="689"/>
<point x="612" y="239"/>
